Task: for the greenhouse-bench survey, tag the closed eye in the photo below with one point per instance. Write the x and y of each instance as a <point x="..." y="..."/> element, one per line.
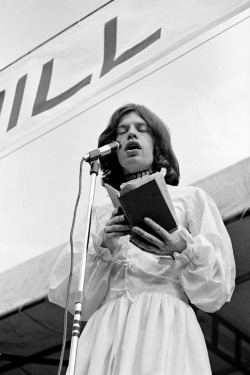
<point x="121" y="130"/>
<point x="143" y="128"/>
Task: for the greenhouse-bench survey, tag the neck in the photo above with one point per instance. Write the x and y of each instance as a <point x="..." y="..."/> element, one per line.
<point x="133" y="176"/>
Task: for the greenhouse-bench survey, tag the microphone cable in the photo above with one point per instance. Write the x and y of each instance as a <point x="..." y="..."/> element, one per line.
<point x="71" y="270"/>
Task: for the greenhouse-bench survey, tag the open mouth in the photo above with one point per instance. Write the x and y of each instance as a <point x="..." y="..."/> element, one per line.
<point x="132" y="145"/>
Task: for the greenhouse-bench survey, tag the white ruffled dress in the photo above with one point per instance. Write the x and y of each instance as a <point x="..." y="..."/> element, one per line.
<point x="139" y="319"/>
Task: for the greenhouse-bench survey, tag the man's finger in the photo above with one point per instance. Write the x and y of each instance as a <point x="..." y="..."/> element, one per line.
<point x="117" y="228"/>
<point x="117" y="211"/>
<point x="118" y="219"/>
<point x="115" y="234"/>
<point x="157" y="228"/>
<point x="143" y="246"/>
<point x="147" y="236"/>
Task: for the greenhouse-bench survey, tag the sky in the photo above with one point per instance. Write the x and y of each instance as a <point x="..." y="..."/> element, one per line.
<point x="204" y="98"/>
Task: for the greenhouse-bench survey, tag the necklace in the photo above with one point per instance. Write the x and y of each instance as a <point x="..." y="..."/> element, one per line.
<point x="133" y="176"/>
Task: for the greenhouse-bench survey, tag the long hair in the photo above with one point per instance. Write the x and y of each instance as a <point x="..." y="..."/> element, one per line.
<point x="164" y="155"/>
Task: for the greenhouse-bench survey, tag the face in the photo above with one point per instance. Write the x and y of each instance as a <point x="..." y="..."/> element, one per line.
<point x="137" y="144"/>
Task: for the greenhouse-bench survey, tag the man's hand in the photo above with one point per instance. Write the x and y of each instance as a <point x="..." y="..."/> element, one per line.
<point x="116" y="227"/>
<point x="167" y="245"/>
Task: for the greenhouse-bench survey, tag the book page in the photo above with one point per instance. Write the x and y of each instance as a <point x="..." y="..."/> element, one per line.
<point x="113" y="194"/>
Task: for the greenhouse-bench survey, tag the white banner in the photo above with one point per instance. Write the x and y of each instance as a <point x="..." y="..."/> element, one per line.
<point x="83" y="65"/>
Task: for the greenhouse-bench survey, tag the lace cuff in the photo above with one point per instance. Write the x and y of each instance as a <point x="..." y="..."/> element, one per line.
<point x="190" y="254"/>
<point x="104" y="253"/>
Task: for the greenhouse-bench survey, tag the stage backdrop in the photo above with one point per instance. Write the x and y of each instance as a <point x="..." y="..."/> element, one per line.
<point x="93" y="59"/>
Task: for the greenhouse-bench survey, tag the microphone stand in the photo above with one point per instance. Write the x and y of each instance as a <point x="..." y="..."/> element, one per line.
<point x="79" y="300"/>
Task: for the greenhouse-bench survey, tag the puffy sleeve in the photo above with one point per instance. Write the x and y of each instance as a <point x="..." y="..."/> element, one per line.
<point x="206" y="268"/>
<point x="98" y="268"/>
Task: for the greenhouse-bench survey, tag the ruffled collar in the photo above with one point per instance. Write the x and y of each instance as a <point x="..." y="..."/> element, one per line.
<point x="142" y="176"/>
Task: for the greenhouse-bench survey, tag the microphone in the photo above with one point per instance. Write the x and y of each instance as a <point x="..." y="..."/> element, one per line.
<point x="101" y="151"/>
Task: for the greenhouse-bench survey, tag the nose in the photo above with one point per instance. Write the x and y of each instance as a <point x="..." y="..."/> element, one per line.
<point x="132" y="132"/>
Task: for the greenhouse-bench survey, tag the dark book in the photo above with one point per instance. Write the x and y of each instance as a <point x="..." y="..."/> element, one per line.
<point x="146" y="197"/>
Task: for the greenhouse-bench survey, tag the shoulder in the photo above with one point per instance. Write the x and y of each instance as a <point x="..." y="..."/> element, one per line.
<point x="185" y="192"/>
<point x="190" y="197"/>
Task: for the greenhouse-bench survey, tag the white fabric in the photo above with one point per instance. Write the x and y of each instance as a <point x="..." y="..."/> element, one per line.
<point x="141" y="323"/>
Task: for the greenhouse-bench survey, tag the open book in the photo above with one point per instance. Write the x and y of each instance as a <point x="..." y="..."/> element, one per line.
<point x="146" y="197"/>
